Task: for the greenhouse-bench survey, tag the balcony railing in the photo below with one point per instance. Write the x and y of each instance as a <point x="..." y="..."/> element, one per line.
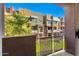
<point x="48" y="45"/>
<point x="30" y="45"/>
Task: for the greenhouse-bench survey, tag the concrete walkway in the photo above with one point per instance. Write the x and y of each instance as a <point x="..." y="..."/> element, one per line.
<point x="60" y="53"/>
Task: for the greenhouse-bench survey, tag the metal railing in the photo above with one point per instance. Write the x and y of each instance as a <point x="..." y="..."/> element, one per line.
<point x="44" y="45"/>
<point x="48" y="45"/>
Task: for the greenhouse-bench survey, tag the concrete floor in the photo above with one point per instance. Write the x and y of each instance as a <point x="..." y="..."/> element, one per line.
<point x="60" y="53"/>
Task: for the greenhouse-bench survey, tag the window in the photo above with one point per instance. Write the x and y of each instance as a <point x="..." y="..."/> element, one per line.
<point x="49" y="22"/>
<point x="34" y="28"/>
<point x="49" y="28"/>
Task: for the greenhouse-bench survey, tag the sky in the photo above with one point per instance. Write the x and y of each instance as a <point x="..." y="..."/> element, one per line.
<point x="43" y="8"/>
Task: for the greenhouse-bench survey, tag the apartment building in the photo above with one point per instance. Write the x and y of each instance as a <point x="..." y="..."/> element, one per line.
<point x="57" y="26"/>
<point x="42" y="25"/>
<point x="48" y="22"/>
<point x="38" y="23"/>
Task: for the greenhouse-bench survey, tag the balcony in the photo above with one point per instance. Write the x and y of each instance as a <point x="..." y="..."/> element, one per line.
<point x="69" y="29"/>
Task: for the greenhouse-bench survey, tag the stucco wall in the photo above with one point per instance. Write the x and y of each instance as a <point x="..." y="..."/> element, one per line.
<point x="69" y="29"/>
<point x="1" y="32"/>
<point x="77" y="27"/>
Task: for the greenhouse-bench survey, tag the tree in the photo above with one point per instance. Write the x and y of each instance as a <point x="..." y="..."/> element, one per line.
<point x="17" y="24"/>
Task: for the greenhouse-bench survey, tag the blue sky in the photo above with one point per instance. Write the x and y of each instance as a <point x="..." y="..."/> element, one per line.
<point x="44" y="8"/>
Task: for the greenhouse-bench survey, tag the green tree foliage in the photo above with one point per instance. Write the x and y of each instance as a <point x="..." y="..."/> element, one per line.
<point x="17" y="24"/>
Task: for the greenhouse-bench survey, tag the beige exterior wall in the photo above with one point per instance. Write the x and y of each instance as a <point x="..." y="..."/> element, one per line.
<point x="70" y="28"/>
<point x="77" y="27"/>
<point x="1" y="27"/>
<point x="48" y="17"/>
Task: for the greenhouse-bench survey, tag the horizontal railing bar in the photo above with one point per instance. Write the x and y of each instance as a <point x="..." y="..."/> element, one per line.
<point x="49" y="37"/>
<point x="16" y="36"/>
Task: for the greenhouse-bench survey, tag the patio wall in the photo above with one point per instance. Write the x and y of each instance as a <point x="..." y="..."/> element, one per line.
<point x="19" y="46"/>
